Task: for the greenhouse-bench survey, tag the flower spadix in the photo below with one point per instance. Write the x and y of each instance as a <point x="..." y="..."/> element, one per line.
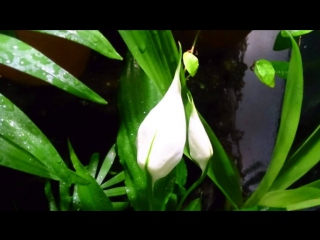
<point x="199" y="144"/>
<point x="162" y="134"/>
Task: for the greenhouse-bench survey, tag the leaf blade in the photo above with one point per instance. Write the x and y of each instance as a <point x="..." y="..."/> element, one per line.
<point x="90" y="38"/>
<point x="22" y="57"/>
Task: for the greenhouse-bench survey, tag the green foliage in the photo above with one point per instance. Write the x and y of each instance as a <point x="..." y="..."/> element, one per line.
<point x="191" y="63"/>
<point x="290" y="116"/>
<point x="22" y="57"/>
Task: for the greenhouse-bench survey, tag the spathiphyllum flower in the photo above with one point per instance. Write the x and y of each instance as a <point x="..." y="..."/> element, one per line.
<point x="199" y="144"/>
<point x="162" y="134"/>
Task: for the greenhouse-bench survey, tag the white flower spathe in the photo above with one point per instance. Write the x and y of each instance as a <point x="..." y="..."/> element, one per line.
<point x="162" y="134"/>
<point x="199" y="143"/>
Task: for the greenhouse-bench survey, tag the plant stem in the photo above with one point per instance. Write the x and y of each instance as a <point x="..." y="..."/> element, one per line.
<point x="196" y="184"/>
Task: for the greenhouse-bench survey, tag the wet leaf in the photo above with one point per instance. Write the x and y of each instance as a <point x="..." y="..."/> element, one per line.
<point x="280" y="68"/>
<point x="93" y="165"/>
<point x="265" y="72"/>
<point x="156" y="52"/>
<point x="91" y="38"/>
<point x="106" y="165"/>
<point x="290" y="115"/>
<point x="116" y="179"/>
<point x="113" y="192"/>
<point x="22" y="57"/>
<point x="65" y="198"/>
<point x="50" y="197"/>
<point x="29" y="146"/>
<point x="91" y="196"/>
<point x="191" y="63"/>
<point x="13" y="156"/>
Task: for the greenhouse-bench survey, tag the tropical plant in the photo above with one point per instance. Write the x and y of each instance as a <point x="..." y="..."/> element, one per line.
<point x="159" y="123"/>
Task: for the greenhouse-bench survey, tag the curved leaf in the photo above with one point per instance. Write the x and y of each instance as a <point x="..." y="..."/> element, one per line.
<point x="294" y="33"/>
<point x="19" y="129"/>
<point x="90" y="38"/>
<point x="156" y="52"/>
<point x="296" y="199"/>
<point x="106" y="165"/>
<point x="22" y="57"/>
<point x="290" y="116"/>
<point x="265" y="72"/>
<point x="191" y="63"/>
<point x="13" y="156"/>
<point x="91" y="196"/>
<point x="306" y="157"/>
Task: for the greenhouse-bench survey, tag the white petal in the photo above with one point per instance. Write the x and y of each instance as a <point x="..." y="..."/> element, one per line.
<point x="199" y="143"/>
<point x="165" y="128"/>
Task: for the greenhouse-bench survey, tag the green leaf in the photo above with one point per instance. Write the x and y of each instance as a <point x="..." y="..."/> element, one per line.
<point x="90" y="38"/>
<point x="17" y="128"/>
<point x="296" y="199"/>
<point x="294" y="33"/>
<point x="137" y="95"/>
<point x="116" y="179"/>
<point x="10" y="33"/>
<point x="65" y="198"/>
<point x="222" y="170"/>
<point x="156" y="52"/>
<point x="194" y="205"/>
<point x="93" y="165"/>
<point x="50" y="197"/>
<point x="181" y="172"/>
<point x="265" y="72"/>
<point x="315" y="184"/>
<point x="282" y="43"/>
<point x="120" y="206"/>
<point x="281" y="68"/>
<point x="91" y="196"/>
<point x="191" y="63"/>
<point x="290" y="115"/>
<point x="113" y="192"/>
<point x="106" y="165"/>
<point x="13" y="156"/>
<point x="22" y="57"/>
<point x="306" y="157"/>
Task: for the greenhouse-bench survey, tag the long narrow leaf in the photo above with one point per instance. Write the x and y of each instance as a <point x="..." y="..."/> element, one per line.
<point x="307" y="156"/>
<point x="90" y="38"/>
<point x="290" y="116"/>
<point x="19" y="129"/>
<point x="113" y="192"/>
<point x="93" y="164"/>
<point x="91" y="196"/>
<point x="222" y="170"/>
<point x="50" y="197"/>
<point x="156" y="52"/>
<point x="106" y="165"/>
<point x="296" y="199"/>
<point x="65" y="198"/>
<point x="12" y="156"/>
<point x="22" y="57"/>
<point x="116" y="179"/>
